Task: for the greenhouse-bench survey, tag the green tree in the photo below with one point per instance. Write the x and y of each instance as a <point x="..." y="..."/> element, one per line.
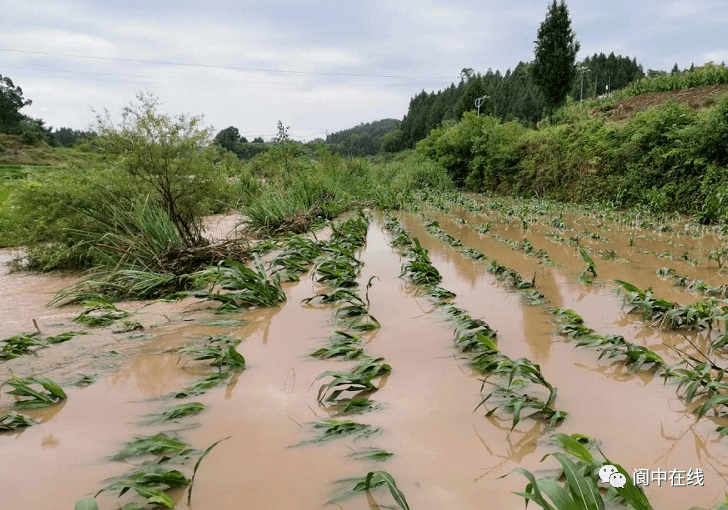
<point x="228" y="138"/>
<point x="171" y="153"/>
<point x="555" y="55"/>
<point x="11" y="102"/>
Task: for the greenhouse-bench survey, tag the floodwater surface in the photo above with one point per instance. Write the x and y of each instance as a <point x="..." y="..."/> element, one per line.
<point x="447" y="455"/>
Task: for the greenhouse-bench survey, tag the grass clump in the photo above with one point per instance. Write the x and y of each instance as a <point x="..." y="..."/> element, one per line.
<point x="23" y="387"/>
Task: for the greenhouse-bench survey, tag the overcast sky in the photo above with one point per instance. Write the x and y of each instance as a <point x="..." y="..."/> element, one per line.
<point x="317" y="66"/>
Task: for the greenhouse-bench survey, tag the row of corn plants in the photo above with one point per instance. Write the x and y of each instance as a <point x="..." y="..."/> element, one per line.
<point x="346" y="393"/>
<point x="694" y="378"/>
<point x="519" y="384"/>
<point x="243" y="287"/>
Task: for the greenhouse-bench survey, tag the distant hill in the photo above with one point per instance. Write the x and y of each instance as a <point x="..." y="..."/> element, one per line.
<point x="362" y="140"/>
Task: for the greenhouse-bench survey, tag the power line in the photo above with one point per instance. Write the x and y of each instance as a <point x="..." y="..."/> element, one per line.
<point x="159" y="79"/>
<point x="207" y="66"/>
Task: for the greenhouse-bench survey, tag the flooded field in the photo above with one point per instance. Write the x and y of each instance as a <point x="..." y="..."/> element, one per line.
<point x="423" y="388"/>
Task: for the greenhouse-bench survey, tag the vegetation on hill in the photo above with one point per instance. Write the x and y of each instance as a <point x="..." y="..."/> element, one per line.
<point x="361" y="140"/>
<point x="668" y="158"/>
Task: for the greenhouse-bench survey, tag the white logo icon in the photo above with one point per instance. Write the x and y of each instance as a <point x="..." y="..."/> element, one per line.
<point x="618" y="480"/>
<point x="606" y="471"/>
<point x="609" y="474"/>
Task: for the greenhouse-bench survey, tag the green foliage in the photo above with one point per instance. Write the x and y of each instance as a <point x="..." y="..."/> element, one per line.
<point x="709" y="74"/>
<point x="362" y="140"/>
<point x="357" y="380"/>
<point x="86" y="504"/>
<point x="246" y="287"/>
<point x="555" y="55"/>
<point x="52" y="395"/>
<point x="201" y="386"/>
<point x="371" y="453"/>
<point x="331" y="429"/>
<point x="372" y="480"/>
<point x="158" y="444"/>
<point x="220" y="356"/>
<point x="19" y="345"/>
<point x="11" y="102"/>
<point x="14" y="421"/>
<point x="668" y="158"/>
<point x="168" y="153"/>
<point x="580" y="491"/>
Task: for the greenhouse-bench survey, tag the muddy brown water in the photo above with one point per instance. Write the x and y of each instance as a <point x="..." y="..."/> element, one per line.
<point x="600" y="304"/>
<point x="446" y="455"/>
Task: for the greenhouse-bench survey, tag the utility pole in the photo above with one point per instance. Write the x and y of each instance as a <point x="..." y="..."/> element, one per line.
<point x="479" y="102"/>
<point x="581" y="69"/>
<point x="596" y="79"/>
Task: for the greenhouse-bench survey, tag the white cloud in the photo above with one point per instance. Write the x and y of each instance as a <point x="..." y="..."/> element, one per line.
<point x="715" y="56"/>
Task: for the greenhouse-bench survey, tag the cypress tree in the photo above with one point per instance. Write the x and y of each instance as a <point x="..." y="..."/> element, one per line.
<point x="555" y="55"/>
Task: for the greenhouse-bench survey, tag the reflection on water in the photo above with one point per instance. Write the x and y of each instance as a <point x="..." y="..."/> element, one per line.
<point x="446" y="455"/>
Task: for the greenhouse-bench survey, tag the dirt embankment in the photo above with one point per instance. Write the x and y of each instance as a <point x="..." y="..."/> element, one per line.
<point x="696" y="98"/>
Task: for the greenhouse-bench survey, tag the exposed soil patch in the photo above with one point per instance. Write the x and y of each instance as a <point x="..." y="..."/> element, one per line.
<point x="696" y="98"/>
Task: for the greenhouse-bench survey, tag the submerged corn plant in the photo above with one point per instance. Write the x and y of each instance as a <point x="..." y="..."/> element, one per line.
<point x="151" y="481"/>
<point x="352" y="406"/>
<point x="513" y="400"/>
<point x="202" y="385"/>
<point x="590" y="271"/>
<point x="580" y="474"/>
<point x="37" y="398"/>
<point x="419" y="269"/>
<point x="99" y="312"/>
<point x="158" y="444"/>
<point x="571" y="325"/>
<point x="357" y="380"/>
<point x="18" y="345"/>
<point x="176" y="412"/>
<point x="372" y="480"/>
<point x="371" y="453"/>
<point x="221" y="357"/>
<point x="245" y="287"/>
<point x="13" y="421"/>
<point x="341" y="345"/>
<point x="331" y="429"/>
<point x="296" y="258"/>
<point x="664" y="313"/>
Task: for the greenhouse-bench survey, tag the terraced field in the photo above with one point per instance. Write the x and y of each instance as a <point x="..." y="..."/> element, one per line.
<point x="392" y="361"/>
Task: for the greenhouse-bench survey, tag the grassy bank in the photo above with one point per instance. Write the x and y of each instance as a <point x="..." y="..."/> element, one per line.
<point x="667" y="158"/>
